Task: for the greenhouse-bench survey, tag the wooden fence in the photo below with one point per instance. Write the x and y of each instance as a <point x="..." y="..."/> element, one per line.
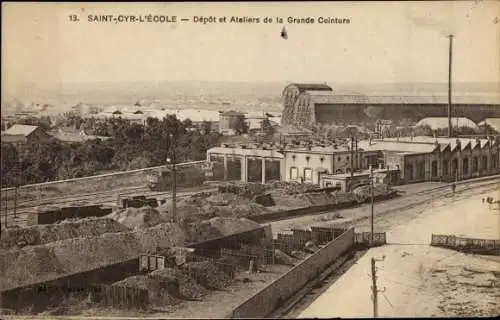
<point x="485" y="246"/>
<point x="122" y="297"/>
<point x="379" y="239"/>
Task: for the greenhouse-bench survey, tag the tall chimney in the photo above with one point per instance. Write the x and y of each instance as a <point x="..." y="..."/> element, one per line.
<point x="450" y="128"/>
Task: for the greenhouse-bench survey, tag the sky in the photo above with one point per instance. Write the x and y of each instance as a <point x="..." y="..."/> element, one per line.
<point x="384" y="42"/>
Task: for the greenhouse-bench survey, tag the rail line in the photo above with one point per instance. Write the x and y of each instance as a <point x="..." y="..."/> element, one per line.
<point x="108" y="196"/>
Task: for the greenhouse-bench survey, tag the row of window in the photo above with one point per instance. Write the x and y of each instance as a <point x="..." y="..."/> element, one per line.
<point x="307" y="174"/>
<point x="320" y="159"/>
<point x="476" y="166"/>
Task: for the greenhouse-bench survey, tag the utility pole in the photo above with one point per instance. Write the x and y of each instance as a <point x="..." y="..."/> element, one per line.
<point x="450" y="128"/>
<point x="174" y="179"/>
<point x="372" y="208"/>
<point x="375" y="290"/>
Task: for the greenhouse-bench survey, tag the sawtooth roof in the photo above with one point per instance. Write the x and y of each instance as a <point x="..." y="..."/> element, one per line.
<point x="443" y="141"/>
<point x="397" y="146"/>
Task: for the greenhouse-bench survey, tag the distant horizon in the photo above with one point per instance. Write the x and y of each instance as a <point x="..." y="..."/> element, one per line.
<point x="382" y="45"/>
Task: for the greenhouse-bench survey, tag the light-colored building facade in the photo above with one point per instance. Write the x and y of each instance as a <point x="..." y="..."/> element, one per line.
<point x="414" y="159"/>
<point x="297" y="163"/>
<point x="227" y="119"/>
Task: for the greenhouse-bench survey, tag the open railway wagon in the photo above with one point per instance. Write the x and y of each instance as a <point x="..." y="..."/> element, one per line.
<point x="185" y="177"/>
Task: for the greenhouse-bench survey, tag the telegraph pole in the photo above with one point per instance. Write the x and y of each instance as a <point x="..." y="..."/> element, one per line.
<point x="375" y="290"/>
<point x="372" y="207"/>
<point x="352" y="157"/>
<point x="450" y="128"/>
<point x="174" y="178"/>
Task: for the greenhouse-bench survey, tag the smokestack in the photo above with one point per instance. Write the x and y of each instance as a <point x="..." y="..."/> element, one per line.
<point x="450" y="128"/>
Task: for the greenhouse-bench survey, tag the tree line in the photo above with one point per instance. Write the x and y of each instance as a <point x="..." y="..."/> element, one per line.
<point x="130" y="146"/>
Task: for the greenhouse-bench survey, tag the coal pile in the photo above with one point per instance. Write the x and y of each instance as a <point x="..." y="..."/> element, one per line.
<point x="208" y="274"/>
<point x="138" y="218"/>
<point x="67" y="229"/>
<point x="230" y="226"/>
<point x="189" y="289"/>
<point x="282" y="258"/>
<point x="200" y="231"/>
<point x="35" y="264"/>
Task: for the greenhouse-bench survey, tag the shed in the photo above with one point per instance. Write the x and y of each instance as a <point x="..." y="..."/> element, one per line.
<point x="20" y="133"/>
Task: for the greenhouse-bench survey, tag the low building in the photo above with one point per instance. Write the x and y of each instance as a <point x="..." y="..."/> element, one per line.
<point x="296" y="162"/>
<point x="20" y="133"/>
<point x="345" y="182"/>
<point x="227" y="121"/>
<point x="436" y="159"/>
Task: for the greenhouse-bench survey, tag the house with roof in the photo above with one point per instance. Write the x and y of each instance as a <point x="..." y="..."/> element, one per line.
<point x="307" y="104"/>
<point x="20" y="133"/>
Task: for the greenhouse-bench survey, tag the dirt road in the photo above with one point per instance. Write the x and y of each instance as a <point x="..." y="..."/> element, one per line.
<point x="419" y="280"/>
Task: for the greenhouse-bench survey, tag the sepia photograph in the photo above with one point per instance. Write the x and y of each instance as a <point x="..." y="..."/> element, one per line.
<point x="250" y="159"/>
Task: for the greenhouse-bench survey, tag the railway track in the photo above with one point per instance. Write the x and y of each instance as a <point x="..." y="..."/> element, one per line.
<point x="20" y="217"/>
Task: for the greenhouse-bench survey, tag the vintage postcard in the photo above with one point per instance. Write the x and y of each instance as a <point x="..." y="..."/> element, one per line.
<point x="250" y="159"/>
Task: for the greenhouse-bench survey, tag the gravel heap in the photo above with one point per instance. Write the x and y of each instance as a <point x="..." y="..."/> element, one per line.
<point x="67" y="229"/>
<point x="189" y="289"/>
<point x="35" y="264"/>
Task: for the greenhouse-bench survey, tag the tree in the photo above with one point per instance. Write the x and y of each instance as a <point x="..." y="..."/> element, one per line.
<point x="374" y="112"/>
<point x="267" y="127"/>
<point x="206" y="127"/>
<point x="240" y="126"/>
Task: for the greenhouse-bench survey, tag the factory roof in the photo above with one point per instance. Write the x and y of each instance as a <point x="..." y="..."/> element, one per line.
<point x="401" y="100"/>
<point x="317" y="149"/>
<point x="397" y="146"/>
<point x="442" y="122"/>
<point x="293" y="130"/>
<point x="311" y="86"/>
<point x="247" y="152"/>
<point x="442" y="141"/>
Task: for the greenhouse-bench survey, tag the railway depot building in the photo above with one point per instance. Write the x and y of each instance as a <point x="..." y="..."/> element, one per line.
<point x="288" y="162"/>
<point x="425" y="158"/>
<point x="307" y="104"/>
<point x="415" y="159"/>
